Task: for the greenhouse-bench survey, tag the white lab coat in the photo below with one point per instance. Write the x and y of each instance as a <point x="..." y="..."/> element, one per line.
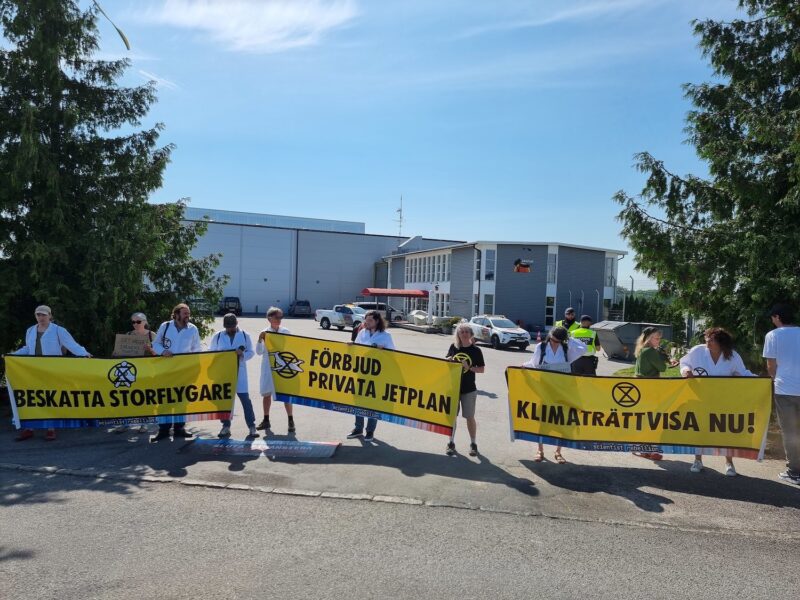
<point x="53" y="338"/>
<point x="266" y="385"/>
<point x="222" y="341"/>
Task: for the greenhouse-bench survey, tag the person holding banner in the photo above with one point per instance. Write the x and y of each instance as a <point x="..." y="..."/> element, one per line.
<point x="556" y="353"/>
<point x="233" y="338"/>
<point x="46" y="338"/>
<point x="782" y="351"/>
<point x="267" y="385"/>
<point x="715" y="358"/>
<point x="372" y="334"/>
<point x="651" y="361"/>
<point x="140" y="329"/>
<point x="177" y="336"/>
<point x="464" y="350"/>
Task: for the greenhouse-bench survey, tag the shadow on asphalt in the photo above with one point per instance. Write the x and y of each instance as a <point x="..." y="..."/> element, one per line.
<point x="674" y="476"/>
<point x="7" y="554"/>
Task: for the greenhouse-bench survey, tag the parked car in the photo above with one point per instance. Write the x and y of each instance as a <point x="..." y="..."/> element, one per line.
<point x="300" y="308"/>
<point x="389" y="312"/>
<point x="499" y="331"/>
<point x="231" y="304"/>
<point x="340" y="316"/>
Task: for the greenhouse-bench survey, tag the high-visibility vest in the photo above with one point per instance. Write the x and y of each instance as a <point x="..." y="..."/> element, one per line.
<point x="575" y="325"/>
<point x="588" y="337"/>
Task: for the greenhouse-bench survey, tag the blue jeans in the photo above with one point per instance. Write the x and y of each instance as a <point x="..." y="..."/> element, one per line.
<point x="371" y="424"/>
<point x="247" y="405"/>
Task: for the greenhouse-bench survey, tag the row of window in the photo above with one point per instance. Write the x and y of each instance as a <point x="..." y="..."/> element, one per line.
<point x="428" y="269"/>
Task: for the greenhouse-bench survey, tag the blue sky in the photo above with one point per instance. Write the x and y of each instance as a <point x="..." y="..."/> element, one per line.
<point x="502" y="120"/>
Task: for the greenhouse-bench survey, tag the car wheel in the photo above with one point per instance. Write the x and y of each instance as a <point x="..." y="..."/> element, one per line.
<point x="340" y="327"/>
<point x="325" y="323"/>
<point x="398" y="318"/>
<point x="495" y="342"/>
<point x="522" y="347"/>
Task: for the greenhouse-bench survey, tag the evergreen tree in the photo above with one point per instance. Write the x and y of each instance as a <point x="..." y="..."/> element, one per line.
<point x="728" y="246"/>
<point x="76" y="230"/>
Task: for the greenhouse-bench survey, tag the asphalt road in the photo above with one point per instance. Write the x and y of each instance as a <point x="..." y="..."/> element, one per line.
<point x="395" y="518"/>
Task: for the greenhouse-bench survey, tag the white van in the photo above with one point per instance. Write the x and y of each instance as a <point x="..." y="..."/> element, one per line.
<point x="389" y="312"/>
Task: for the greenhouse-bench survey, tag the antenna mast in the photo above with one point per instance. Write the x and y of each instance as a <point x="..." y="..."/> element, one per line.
<point x="399" y="219"/>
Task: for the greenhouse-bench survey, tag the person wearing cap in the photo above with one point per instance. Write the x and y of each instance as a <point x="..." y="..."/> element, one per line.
<point x="568" y="322"/>
<point x="556" y="353"/>
<point x="233" y="338"/>
<point x="46" y="338"/>
<point x="266" y="383"/>
<point x="782" y="351"/>
<point x="176" y="336"/>
<point x="586" y="364"/>
<point x="139" y="328"/>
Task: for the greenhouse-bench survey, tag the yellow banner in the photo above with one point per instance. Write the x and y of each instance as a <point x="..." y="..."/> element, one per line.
<point x="76" y="392"/>
<point x="702" y="415"/>
<point x="408" y="389"/>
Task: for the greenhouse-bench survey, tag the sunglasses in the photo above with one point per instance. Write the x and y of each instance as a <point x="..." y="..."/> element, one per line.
<point x="137" y="322"/>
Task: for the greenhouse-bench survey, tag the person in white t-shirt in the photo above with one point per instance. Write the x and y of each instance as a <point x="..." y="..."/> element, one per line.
<point x="373" y="333"/>
<point x="267" y="384"/>
<point x="715" y="358"/>
<point x="556" y="353"/>
<point x="782" y="351"/>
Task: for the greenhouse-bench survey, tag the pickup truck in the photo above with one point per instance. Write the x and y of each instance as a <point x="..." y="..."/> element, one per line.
<point x="340" y="316"/>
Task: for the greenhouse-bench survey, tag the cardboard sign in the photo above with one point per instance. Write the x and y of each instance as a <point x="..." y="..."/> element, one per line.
<point x="130" y="345"/>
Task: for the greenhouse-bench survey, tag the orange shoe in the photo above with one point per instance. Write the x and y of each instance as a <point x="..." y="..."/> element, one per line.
<point x="50" y="436"/>
<point x="24" y="434"/>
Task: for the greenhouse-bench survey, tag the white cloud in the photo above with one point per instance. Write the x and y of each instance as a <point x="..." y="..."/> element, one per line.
<point x="257" y="26"/>
<point x="160" y="81"/>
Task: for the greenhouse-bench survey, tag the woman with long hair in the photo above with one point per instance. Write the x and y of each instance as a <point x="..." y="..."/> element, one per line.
<point x="464" y="350"/>
<point x="715" y="358"/>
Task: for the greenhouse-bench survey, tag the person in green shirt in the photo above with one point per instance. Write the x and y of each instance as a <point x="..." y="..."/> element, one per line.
<point x="651" y="361"/>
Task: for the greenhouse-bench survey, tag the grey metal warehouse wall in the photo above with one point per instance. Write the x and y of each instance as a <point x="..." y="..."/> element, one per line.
<point x="579" y="270"/>
<point x="521" y="295"/>
<point x="462" y="276"/>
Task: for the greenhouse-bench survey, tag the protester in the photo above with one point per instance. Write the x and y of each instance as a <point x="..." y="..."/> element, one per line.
<point x="586" y="364"/>
<point x="372" y="334"/>
<point x="651" y="361"/>
<point x="568" y="322"/>
<point x="46" y="338"/>
<point x="140" y="328"/>
<point x="233" y="338"/>
<point x="556" y="353"/>
<point x="464" y="350"/>
<point x="782" y="351"/>
<point x="267" y="385"/>
<point x="715" y="358"/>
<point x="177" y="336"/>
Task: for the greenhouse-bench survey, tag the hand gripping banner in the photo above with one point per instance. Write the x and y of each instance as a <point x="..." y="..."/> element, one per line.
<point x="86" y="392"/>
<point x="407" y="389"/>
<point x="703" y="415"/>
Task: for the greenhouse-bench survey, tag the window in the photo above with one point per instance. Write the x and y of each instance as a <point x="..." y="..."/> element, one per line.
<point x="437" y="276"/>
<point x="447" y="267"/>
<point x="477" y="308"/>
<point x="477" y="264"/>
<point x="609" y="271"/>
<point x="488" y="303"/>
<point x="491" y="260"/>
<point x="552" y="263"/>
<point x="550" y="305"/>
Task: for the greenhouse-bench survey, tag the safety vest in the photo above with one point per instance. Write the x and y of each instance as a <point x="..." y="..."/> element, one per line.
<point x="575" y="325"/>
<point x="588" y="337"/>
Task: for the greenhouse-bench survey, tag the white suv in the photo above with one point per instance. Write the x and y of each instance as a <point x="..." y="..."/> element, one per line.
<point x="499" y="331"/>
<point x="389" y="312"/>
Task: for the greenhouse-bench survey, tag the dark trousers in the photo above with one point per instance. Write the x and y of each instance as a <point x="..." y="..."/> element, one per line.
<point x="585" y="365"/>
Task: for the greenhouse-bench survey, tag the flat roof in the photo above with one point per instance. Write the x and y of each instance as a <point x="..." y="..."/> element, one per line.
<point x="502" y="243"/>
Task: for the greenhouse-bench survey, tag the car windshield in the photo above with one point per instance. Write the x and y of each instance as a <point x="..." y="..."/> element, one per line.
<point x="505" y="323"/>
<point x="359" y="311"/>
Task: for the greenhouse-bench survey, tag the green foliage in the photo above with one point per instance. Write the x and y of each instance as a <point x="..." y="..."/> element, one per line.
<point x="76" y="230"/>
<point x="726" y="247"/>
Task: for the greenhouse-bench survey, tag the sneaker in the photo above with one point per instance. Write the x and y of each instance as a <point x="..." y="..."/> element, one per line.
<point x="356" y="433"/>
<point x="253" y="433"/>
<point x="697" y="466"/>
<point x="451" y="448"/>
<point x="370" y="436"/>
<point x="182" y="433"/>
<point x="162" y="434"/>
<point x="142" y="429"/>
<point x="790" y="477"/>
<point x="264" y="425"/>
<point x="50" y="436"/>
<point x="120" y="429"/>
<point x="291" y="425"/>
<point x="23" y="435"/>
<point x="473" y="449"/>
<point x="225" y="432"/>
<point x="730" y="471"/>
